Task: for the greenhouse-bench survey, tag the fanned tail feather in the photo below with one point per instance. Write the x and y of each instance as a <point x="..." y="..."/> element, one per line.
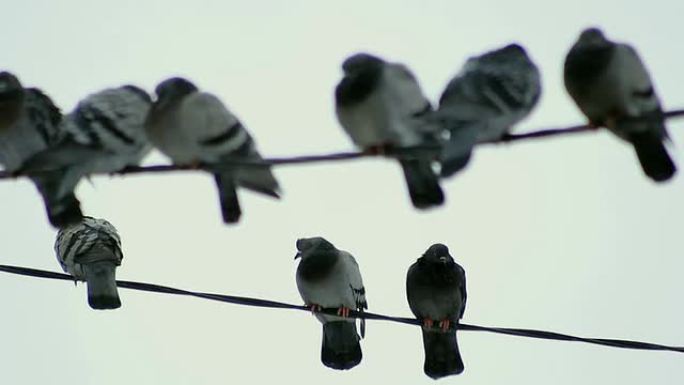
<point x="228" y="198"/>
<point x="101" y="282"/>
<point x="653" y="156"/>
<point x="340" y="349"/>
<point x="442" y="357"/>
<point x="422" y="183"/>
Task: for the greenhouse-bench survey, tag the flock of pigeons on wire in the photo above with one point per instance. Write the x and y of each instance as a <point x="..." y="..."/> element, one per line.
<point x="383" y="109"/>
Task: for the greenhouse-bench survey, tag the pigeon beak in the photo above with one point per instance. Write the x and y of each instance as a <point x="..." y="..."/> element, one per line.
<point x="443" y="260"/>
<point x="298" y="255"/>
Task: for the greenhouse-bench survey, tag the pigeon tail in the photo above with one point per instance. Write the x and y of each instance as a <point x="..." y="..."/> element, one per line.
<point x="453" y="164"/>
<point x="341" y="349"/>
<point x="442" y="357"/>
<point x="227" y="189"/>
<point x="653" y="156"/>
<point x="422" y="183"/>
<point x="457" y="150"/>
<point x="260" y="180"/>
<point x="101" y="282"/>
<point x="57" y="190"/>
<point x="64" y="212"/>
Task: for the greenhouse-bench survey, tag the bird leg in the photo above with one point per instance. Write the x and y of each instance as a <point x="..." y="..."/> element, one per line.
<point x="343" y="311"/>
<point x="444" y="324"/>
<point x="378" y="149"/>
<point x="427" y="323"/>
<point x="314" y="308"/>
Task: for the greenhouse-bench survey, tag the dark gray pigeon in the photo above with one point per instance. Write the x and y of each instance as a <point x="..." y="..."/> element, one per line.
<point x="104" y="134"/>
<point x="330" y="278"/>
<point x="11" y="99"/>
<point x="29" y="122"/>
<point x="436" y="292"/>
<point x="193" y="128"/>
<point x="491" y="93"/>
<point x="380" y="105"/>
<point x="91" y="251"/>
<point x="611" y="86"/>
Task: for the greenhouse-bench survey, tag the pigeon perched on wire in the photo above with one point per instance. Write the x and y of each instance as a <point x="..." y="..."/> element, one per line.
<point x="491" y="93"/>
<point x="193" y="128"/>
<point x="611" y="86"/>
<point x="436" y="292"/>
<point x="91" y="251"/>
<point x="104" y="134"/>
<point x="29" y="122"/>
<point x="381" y="106"/>
<point x="330" y="278"/>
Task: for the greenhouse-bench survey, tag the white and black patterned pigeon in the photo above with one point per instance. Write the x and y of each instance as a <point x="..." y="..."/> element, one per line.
<point x="611" y="86"/>
<point x="436" y="292"/>
<point x="29" y="122"/>
<point x="330" y="278"/>
<point x="491" y="93"/>
<point x="380" y="105"/>
<point x="91" y="251"/>
<point x="104" y="134"/>
<point x="193" y="127"/>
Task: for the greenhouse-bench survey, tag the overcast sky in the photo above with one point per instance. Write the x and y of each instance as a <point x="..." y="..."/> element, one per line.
<point x="564" y="234"/>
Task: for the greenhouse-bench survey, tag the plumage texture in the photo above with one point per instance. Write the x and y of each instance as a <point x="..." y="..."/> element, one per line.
<point x="612" y="87"/>
<point x="381" y="105"/>
<point x="330" y="278"/>
<point x="436" y="291"/>
<point x="193" y="127"/>
<point x="29" y="122"/>
<point x="491" y="93"/>
<point x="104" y="134"/>
<point x="90" y="251"/>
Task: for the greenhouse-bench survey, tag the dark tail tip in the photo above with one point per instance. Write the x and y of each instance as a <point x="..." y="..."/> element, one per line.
<point x="104" y="302"/>
<point x="66" y="212"/>
<point x="442" y="357"/>
<point x="341" y="349"/>
<point x="230" y="205"/>
<point x="422" y="183"/>
<point x="653" y="156"/>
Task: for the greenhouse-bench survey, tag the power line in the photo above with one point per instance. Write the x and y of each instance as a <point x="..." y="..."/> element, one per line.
<point x="406" y="152"/>
<point x="247" y="301"/>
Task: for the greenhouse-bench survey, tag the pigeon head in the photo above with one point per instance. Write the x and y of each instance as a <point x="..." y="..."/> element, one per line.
<point x="174" y="88"/>
<point x="309" y="246"/>
<point x="592" y="37"/>
<point x="138" y="91"/>
<point x="511" y="53"/>
<point x="438" y="253"/>
<point x="9" y="85"/>
<point x="361" y="62"/>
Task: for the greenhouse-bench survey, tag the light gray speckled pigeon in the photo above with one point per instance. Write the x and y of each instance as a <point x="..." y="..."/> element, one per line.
<point x="380" y="105"/>
<point x="91" y="251"/>
<point x="29" y="122"/>
<point x="104" y="134"/>
<point x="193" y="127"/>
<point x="492" y="93"/>
<point x="612" y="87"/>
<point x="436" y="292"/>
<point x="330" y="278"/>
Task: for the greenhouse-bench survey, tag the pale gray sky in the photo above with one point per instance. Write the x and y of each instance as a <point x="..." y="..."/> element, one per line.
<point x="561" y="234"/>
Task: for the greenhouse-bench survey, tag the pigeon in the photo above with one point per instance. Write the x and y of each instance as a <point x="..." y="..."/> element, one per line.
<point x="611" y="86"/>
<point x="330" y="278"/>
<point x="193" y="128"/>
<point x="29" y="122"/>
<point x="491" y="93"/>
<point x="104" y="134"/>
<point x="381" y="106"/>
<point x="436" y="292"/>
<point x="91" y="251"/>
